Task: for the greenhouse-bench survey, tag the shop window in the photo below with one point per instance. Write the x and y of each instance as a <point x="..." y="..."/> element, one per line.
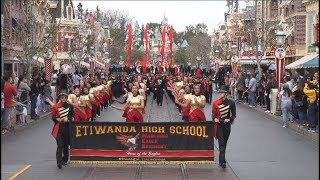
<point x="274" y="3"/>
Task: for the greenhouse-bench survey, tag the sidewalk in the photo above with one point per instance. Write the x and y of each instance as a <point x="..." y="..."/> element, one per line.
<point x="314" y="137"/>
<point x="30" y="121"/>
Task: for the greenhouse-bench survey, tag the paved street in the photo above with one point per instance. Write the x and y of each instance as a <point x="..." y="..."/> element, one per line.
<point x="259" y="148"/>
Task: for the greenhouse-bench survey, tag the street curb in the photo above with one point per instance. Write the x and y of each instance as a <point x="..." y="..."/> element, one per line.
<point x="314" y="137"/>
<point x="25" y="126"/>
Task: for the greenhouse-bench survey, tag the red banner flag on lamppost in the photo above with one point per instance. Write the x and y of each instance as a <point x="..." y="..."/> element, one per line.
<point x="129" y="45"/>
<point x="163" y="44"/>
<point x="48" y="68"/>
<point x="171" y="43"/>
<point x="145" y="58"/>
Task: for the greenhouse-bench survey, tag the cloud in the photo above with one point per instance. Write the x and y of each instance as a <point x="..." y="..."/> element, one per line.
<point x="178" y="13"/>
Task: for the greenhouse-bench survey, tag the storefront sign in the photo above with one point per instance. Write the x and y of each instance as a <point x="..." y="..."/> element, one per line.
<point x="141" y="143"/>
<point x="251" y="53"/>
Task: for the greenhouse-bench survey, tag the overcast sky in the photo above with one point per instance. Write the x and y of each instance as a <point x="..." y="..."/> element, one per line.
<point x="178" y="13"/>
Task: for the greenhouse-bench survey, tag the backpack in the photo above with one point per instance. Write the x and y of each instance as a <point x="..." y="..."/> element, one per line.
<point x="19" y="107"/>
<point x="24" y="96"/>
<point x="302" y="102"/>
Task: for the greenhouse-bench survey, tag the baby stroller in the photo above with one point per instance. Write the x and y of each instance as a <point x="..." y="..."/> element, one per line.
<point x="21" y="111"/>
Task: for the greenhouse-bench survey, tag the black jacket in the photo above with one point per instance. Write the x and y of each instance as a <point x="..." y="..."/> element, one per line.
<point x="35" y="88"/>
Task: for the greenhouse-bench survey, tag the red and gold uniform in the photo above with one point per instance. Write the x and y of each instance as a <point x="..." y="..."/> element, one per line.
<point x="60" y="130"/>
<point x="134" y="115"/>
<point x="196" y="112"/>
<point x="88" y="111"/>
<point x="80" y="114"/>
<point x="222" y="110"/>
<point x="185" y="111"/>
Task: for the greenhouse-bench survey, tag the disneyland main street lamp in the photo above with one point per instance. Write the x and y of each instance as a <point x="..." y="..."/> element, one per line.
<point x="280" y="54"/>
<point x="198" y="60"/>
<point x="216" y="68"/>
<point x="217" y="59"/>
<point x="234" y="59"/>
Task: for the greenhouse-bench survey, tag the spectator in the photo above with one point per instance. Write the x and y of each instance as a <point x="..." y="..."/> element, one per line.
<point x="76" y="79"/>
<point x="81" y="85"/>
<point x="46" y="92"/>
<point x="14" y="79"/>
<point x="285" y="104"/>
<point x="54" y="78"/>
<point x="240" y="86"/>
<point x="310" y="91"/>
<point x="9" y="91"/>
<point x="23" y="90"/>
<point x="300" y="103"/>
<point x="267" y="91"/>
<point x="261" y="87"/>
<point x="315" y="80"/>
<point x="34" y="93"/>
<point x="252" y="91"/>
<point x="289" y="82"/>
<point x="227" y="81"/>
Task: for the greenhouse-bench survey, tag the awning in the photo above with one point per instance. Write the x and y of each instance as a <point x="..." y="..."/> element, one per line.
<point x="40" y="59"/>
<point x="84" y="64"/>
<point x="254" y="61"/>
<point x="312" y="63"/>
<point x="299" y="63"/>
<point x="12" y="59"/>
<point x="224" y="63"/>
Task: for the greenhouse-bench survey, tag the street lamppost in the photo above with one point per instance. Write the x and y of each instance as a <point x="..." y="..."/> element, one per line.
<point x="198" y="59"/>
<point x="234" y="59"/>
<point x="280" y="54"/>
<point x="216" y="67"/>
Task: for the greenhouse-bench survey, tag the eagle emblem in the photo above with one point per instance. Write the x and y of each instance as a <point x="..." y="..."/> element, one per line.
<point x="128" y="140"/>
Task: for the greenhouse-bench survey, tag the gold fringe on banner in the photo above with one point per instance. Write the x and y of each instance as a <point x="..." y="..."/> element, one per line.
<point x="142" y="162"/>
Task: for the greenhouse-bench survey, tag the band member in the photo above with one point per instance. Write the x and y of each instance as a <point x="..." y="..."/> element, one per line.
<point x="80" y="111"/>
<point x="88" y="107"/>
<point x="159" y="90"/>
<point x="135" y="105"/>
<point x="223" y="115"/>
<point x="185" y="111"/>
<point x="62" y="113"/>
<point x="197" y="103"/>
<point x="125" y="99"/>
<point x="93" y="103"/>
<point x="205" y="87"/>
<point x="183" y="99"/>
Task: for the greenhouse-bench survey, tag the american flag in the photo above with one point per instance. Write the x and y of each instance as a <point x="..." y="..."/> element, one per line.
<point x="48" y="68"/>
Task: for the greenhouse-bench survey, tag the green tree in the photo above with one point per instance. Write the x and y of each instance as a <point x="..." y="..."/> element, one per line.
<point x="35" y="42"/>
<point x="118" y="22"/>
<point x="136" y="55"/>
<point x="199" y="46"/>
<point x="180" y="56"/>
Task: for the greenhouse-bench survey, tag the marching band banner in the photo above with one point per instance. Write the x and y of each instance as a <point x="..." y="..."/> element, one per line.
<point x="141" y="143"/>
